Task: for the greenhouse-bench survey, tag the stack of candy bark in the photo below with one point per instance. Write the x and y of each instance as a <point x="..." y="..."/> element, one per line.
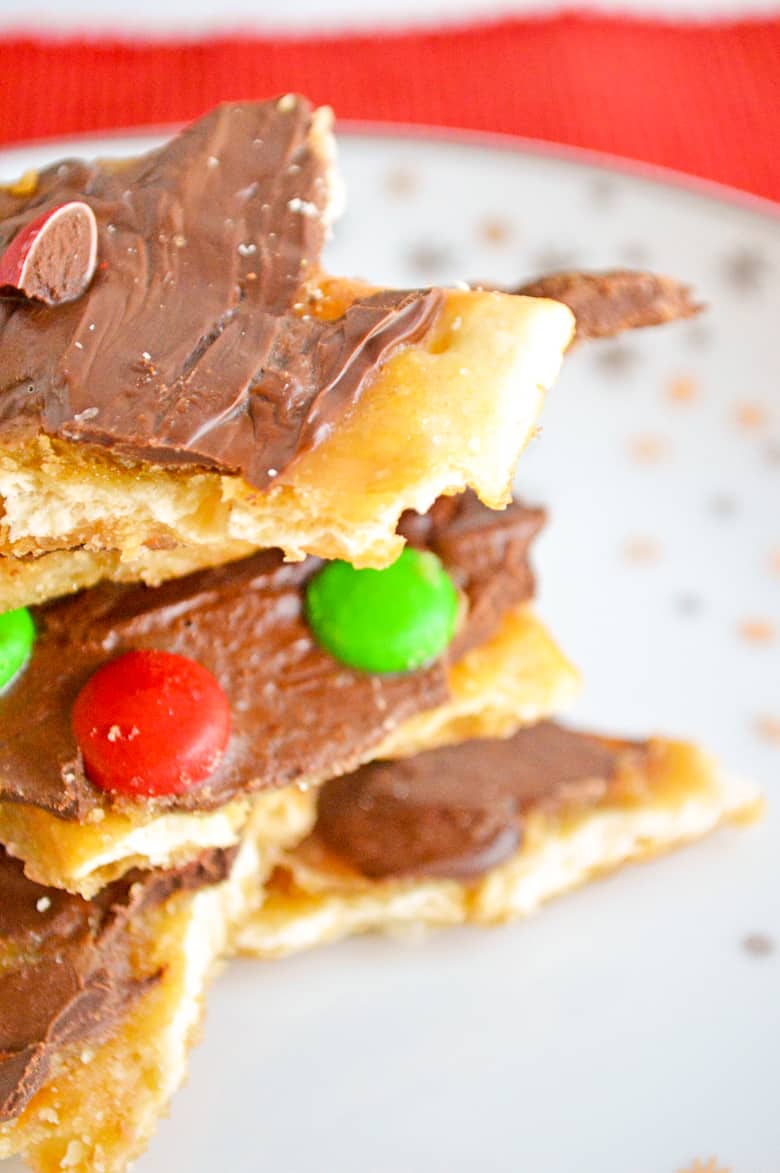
<point x="269" y="668"/>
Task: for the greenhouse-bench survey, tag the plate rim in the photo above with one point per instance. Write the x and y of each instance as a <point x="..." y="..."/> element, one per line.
<point x="626" y="168"/>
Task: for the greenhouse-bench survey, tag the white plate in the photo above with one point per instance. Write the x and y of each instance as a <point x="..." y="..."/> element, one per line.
<point x="632" y="1027"/>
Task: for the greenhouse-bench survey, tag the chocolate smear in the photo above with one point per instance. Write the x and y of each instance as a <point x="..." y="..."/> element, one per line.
<point x="66" y="974"/>
<point x="458" y="812"/>
<point x="192" y="346"/>
<point x="606" y="304"/>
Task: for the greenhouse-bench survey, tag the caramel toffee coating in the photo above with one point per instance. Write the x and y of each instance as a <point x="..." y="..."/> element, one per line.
<point x="65" y="970"/>
<point x="606" y="304"/>
<point x="190" y="346"/>
<point x="296" y="712"/>
<point x="458" y="812"/>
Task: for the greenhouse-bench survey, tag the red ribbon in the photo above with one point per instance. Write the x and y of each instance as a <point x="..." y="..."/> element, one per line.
<point x="699" y="98"/>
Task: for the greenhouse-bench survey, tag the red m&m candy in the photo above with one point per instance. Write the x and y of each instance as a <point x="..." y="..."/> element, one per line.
<point x="151" y="723"/>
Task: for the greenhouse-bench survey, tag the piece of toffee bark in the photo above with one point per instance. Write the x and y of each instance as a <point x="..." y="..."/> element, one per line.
<point x="212" y="384"/>
<point x="244" y="622"/>
<point x="486" y="831"/>
<point x="67" y="975"/>
<point x="608" y="303"/>
<point x="604" y="304"/>
<point x="101" y="1000"/>
<point x="298" y="716"/>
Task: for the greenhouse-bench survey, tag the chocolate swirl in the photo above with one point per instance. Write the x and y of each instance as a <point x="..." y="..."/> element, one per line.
<point x="191" y="347"/>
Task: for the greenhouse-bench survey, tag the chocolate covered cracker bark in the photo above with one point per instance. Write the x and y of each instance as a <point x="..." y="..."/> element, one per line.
<point x="604" y="304"/>
<point x="486" y="831"/>
<point x="212" y="385"/>
<point x="297" y="713"/>
<point x="608" y="303"/>
<point x="100" y="1001"/>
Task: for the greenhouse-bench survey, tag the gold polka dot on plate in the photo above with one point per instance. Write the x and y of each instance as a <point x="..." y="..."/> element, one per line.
<point x="757" y="631"/>
<point x="708" y="1166"/>
<point x="767" y="727"/>
<point x="401" y="181"/>
<point x="752" y="416"/>
<point x="758" y="944"/>
<point x="641" y="548"/>
<point x="683" y="389"/>
<point x="648" y="449"/>
<point x="495" y="230"/>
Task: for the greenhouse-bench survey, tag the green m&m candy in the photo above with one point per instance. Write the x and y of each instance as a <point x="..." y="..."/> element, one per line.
<point x="392" y="620"/>
<point x="17" y="636"/>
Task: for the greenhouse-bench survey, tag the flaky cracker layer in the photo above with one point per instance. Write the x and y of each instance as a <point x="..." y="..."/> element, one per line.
<point x="518" y="677"/>
<point x="314" y="898"/>
<point x="99" y="1109"/>
<point x="449" y="413"/>
<point x="25" y="582"/>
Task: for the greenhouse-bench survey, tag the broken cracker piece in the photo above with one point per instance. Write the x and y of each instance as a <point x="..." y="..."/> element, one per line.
<point x="214" y="386"/>
<point x="487" y="831"/>
<point x="100" y="1081"/>
<point x="245" y="623"/>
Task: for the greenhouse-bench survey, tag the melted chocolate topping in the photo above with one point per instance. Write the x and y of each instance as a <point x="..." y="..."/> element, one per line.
<point x="473" y="544"/>
<point x="190" y="345"/>
<point x="606" y="304"/>
<point x="65" y="970"/>
<point x="297" y="714"/>
<point x="458" y="812"/>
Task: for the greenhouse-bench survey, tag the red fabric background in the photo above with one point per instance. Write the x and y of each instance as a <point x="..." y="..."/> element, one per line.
<point x="700" y="98"/>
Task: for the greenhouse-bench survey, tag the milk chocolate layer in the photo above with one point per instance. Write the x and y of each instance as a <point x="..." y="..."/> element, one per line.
<point x="485" y="552"/>
<point x="296" y="712"/>
<point x="190" y="346"/>
<point x="458" y="812"/>
<point x="65" y="970"/>
<point x="606" y="304"/>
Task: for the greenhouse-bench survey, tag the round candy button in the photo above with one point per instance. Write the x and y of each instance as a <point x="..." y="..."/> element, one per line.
<point x="17" y="636"/>
<point x="151" y="723"/>
<point x="392" y="620"/>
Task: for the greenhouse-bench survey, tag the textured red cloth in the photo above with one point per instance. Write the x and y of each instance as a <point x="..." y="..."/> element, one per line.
<point x="700" y="98"/>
